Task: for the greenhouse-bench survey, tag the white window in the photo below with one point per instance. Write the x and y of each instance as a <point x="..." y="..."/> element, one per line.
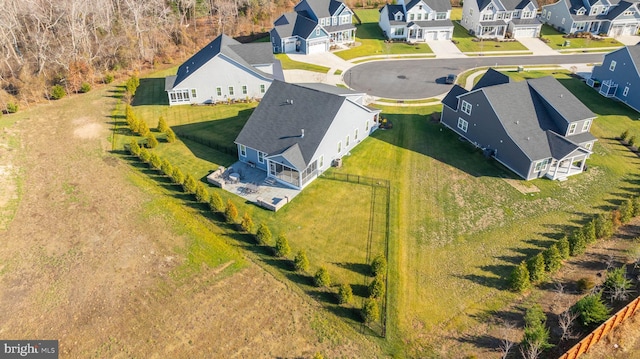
<point x="612" y="67"/>
<point x="193" y="93"/>
<point x="562" y="21"/>
<point x="339" y="146"/>
<point x="321" y="161"/>
<point x="462" y="124"/>
<point x="410" y="17"/>
<point x="581" y="12"/>
<point x="260" y="157"/>
<point x="262" y="88"/>
<point x="544" y="13"/>
<point x="604" y="10"/>
<point x="230" y="90"/>
<point x="490" y="7"/>
<point x="441" y="16"/>
<point x="466" y="107"/>
<point x="629" y="12"/>
<point x="542" y="165"/>
<point x="470" y="11"/>
<point x="244" y="89"/>
<point x="345" y="19"/>
<point x="366" y="125"/>
<point x="355" y="135"/>
<point x="487" y="17"/>
<point x="585" y="126"/>
<point x="172" y="96"/>
<point x="346" y="143"/>
<point x="243" y="150"/>
<point x="572" y="129"/>
<point x="419" y="17"/>
<point x="318" y="32"/>
<point x="626" y="91"/>
<point x="548" y="15"/>
<point x="588" y="145"/>
<point x="219" y="91"/>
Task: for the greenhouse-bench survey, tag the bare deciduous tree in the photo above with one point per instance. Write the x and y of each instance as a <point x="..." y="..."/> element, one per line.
<point x="566" y="321"/>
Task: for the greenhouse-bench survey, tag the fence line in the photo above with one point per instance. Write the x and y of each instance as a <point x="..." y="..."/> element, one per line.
<point x="224" y="149"/>
<point x="594" y="337"/>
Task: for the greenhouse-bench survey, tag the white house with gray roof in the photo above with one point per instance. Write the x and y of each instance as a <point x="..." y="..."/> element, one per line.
<point x="418" y="20"/>
<point x="298" y="130"/>
<point x="608" y="17"/>
<point x="313" y="27"/>
<point x="501" y="18"/>
<point x="536" y="128"/>
<point x="224" y="70"/>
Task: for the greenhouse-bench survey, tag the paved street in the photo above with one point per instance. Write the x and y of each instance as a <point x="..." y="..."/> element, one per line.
<point x="424" y="78"/>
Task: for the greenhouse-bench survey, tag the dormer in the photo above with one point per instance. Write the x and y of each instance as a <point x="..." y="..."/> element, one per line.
<point x="581" y="11"/>
<point x="398" y="16"/>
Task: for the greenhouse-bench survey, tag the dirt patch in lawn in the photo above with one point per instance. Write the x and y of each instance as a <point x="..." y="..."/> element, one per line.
<point x="84" y="262"/>
<point x="521" y="187"/>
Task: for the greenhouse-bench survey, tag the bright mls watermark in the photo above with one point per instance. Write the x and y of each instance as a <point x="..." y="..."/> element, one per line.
<point x="32" y="349"/>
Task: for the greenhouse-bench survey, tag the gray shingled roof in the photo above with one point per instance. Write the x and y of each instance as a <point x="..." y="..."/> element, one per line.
<point x="634" y="52"/>
<point x="244" y="54"/>
<point x="560" y="146"/>
<point x="437" y="5"/>
<point x="519" y="22"/>
<point x="491" y="78"/>
<point x="508" y="4"/>
<point x="392" y="10"/>
<point x="561" y="99"/>
<point x="337" y="28"/>
<point x="318" y="86"/>
<point x="291" y="23"/>
<point x="431" y="23"/>
<point x="618" y="10"/>
<point x="451" y="99"/>
<point x="275" y="125"/>
<point x="322" y="8"/>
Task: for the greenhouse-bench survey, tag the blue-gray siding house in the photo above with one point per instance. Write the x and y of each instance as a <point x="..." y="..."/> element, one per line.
<point x="619" y="76"/>
<point x="536" y="128"/>
<point x="224" y="70"/>
<point x="298" y="130"/>
<point x="313" y="27"/>
<point x="608" y="17"/>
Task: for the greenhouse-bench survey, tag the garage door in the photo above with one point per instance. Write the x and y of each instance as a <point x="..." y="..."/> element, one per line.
<point x="444" y="35"/>
<point x="317" y="48"/>
<point x="289" y="45"/>
<point x="629" y="30"/>
<point x="431" y="35"/>
<point x="525" y="32"/>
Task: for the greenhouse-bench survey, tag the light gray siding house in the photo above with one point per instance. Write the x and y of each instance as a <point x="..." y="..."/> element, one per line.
<point x="418" y="20"/>
<point x="608" y="17"/>
<point x="224" y="70"/>
<point x="619" y="76"/>
<point x="313" y="27"/>
<point x="536" y="128"/>
<point x="298" y="130"/>
<point x="501" y="18"/>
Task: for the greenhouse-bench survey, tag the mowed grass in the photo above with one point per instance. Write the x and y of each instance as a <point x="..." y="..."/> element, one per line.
<point x="466" y="43"/>
<point x="557" y="40"/>
<point x="371" y="40"/>
<point x="288" y="64"/>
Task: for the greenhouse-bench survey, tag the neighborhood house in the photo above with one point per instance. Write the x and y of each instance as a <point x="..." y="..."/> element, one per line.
<point x="500" y="19"/>
<point x="299" y="130"/>
<point x="536" y="128"/>
<point x="313" y="27"/>
<point x="224" y="70"/>
<point x="419" y="20"/>
<point x="619" y="76"/>
<point x="606" y="17"/>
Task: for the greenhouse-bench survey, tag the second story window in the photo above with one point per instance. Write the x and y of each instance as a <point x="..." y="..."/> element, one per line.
<point x="572" y="129"/>
<point x="487" y="16"/>
<point x="441" y="16"/>
<point x="612" y="67"/>
<point x="466" y="107"/>
<point x="585" y="126"/>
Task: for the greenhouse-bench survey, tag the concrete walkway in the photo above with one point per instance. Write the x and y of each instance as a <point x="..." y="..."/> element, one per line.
<point x="445" y="49"/>
<point x="537" y="46"/>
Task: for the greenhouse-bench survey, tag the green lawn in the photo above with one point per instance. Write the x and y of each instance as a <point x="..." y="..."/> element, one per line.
<point x="457" y="227"/>
<point x="288" y="64"/>
<point x="466" y="43"/>
<point x="371" y="40"/>
<point x="557" y="40"/>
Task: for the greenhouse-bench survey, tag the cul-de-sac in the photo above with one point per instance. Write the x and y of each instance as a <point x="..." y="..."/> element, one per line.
<point x="320" y="179"/>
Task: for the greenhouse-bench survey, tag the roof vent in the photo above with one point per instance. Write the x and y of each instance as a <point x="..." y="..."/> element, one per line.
<point x="302" y="133"/>
<point x="289" y="102"/>
<point x="517" y="122"/>
<point x="187" y="69"/>
<point x="561" y="95"/>
<point x="528" y="138"/>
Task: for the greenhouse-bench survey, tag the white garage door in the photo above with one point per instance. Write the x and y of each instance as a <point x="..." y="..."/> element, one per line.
<point x="629" y="29"/>
<point x="444" y="35"/>
<point x="317" y="48"/>
<point x="525" y="32"/>
<point x="289" y="45"/>
<point x="431" y="35"/>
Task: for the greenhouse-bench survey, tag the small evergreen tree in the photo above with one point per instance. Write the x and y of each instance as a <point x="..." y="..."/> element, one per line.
<point x="108" y="78"/>
<point x="301" y="262"/>
<point x="145" y="155"/>
<point x="536" y="334"/>
<point x="162" y="125"/>
<point x="345" y="294"/>
<point x="177" y="176"/>
<point x="379" y="265"/>
<point x="519" y="280"/>
<point x="632" y="141"/>
<point x="263" y="235"/>
<point x="247" y="223"/>
<point x="370" y="311"/>
<point x="201" y="193"/>
<point x="231" y="212"/>
<point x="589" y="231"/>
<point x="132" y="85"/>
<point x="591" y="309"/>
<point x="282" y="246"/>
<point x="85" y="87"/>
<point x="577" y="242"/>
<point x="552" y="259"/>
<point x="190" y="183"/>
<point x="152" y="141"/>
<point x="617" y="285"/>
<point x="155" y="161"/>
<point x="626" y="211"/>
<point x="143" y="129"/>
<point x="12" y="107"/>
<point x="166" y="168"/>
<point x="564" y="247"/>
<point x="636" y="206"/>
<point x="215" y="203"/>
<point x="376" y="287"/>
<point x="58" y="92"/>
<point x="134" y="147"/>
<point x="322" y="278"/>
<point x="616" y="219"/>
<point x="171" y="136"/>
<point x="536" y="267"/>
<point x="624" y="135"/>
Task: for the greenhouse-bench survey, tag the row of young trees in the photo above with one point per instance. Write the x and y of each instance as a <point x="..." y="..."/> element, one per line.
<point x="629" y="139"/>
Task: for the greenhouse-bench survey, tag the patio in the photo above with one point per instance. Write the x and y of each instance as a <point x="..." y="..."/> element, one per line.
<point x="253" y="185"/>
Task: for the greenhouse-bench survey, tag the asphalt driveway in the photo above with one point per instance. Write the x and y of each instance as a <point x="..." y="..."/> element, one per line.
<point x="416" y="79"/>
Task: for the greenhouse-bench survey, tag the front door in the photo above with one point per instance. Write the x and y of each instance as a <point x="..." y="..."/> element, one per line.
<point x="272" y="169"/>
